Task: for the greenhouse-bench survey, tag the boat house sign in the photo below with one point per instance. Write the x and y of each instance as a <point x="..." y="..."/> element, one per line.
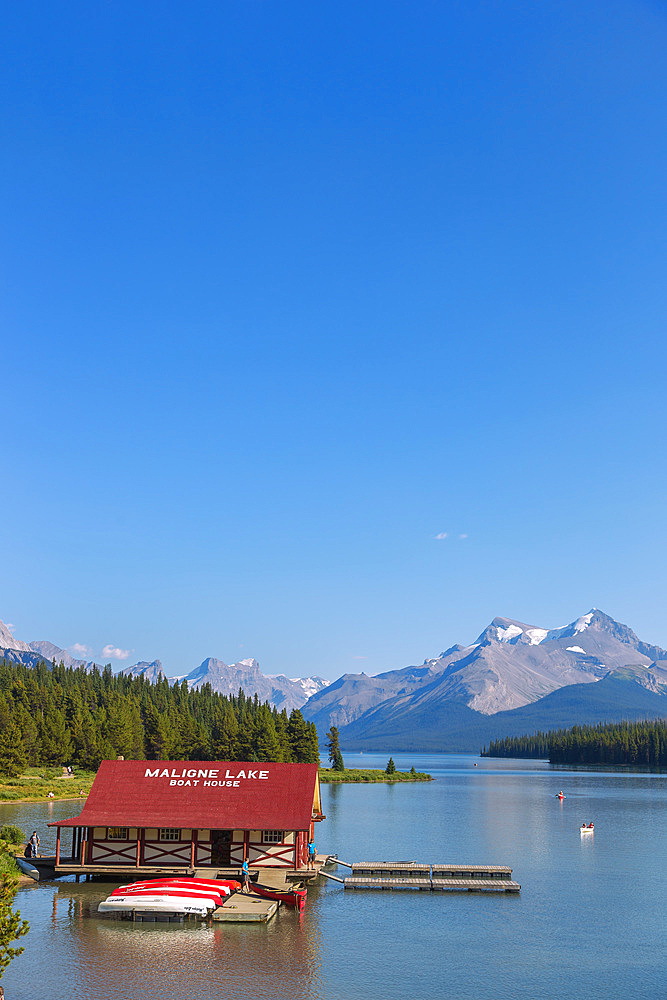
<point x="207" y="777"/>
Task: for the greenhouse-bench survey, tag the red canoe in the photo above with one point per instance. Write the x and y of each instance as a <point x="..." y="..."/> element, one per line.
<point x="290" y="897"/>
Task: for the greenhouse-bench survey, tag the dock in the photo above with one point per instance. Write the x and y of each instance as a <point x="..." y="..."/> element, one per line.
<point x="430" y="878"/>
<point x="241" y="908"/>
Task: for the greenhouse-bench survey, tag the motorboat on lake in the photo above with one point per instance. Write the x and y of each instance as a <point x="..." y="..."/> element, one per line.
<point x="586" y="828"/>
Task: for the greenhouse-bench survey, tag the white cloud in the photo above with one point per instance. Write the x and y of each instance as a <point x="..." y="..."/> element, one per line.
<point x="10" y="625"/>
<point x="114" y="653"/>
<point x="359" y="657"/>
<point x="463" y="536"/>
<point x="78" y="647"/>
<point x="442" y="535"/>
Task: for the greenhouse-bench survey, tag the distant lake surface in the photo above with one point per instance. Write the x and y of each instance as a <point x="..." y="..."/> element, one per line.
<point x="589" y="922"/>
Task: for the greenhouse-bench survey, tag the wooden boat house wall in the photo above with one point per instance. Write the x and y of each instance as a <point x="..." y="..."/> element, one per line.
<point x="180" y="815"/>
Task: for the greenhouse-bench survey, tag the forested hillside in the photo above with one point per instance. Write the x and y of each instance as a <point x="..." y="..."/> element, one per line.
<point x="631" y="743"/>
<point x="51" y="714"/>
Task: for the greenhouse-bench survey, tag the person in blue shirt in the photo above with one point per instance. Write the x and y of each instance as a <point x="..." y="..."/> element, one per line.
<point x="311" y="853"/>
<point x="245" y="877"/>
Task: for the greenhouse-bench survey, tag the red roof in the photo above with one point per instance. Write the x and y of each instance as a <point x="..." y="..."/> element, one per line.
<point x="222" y="795"/>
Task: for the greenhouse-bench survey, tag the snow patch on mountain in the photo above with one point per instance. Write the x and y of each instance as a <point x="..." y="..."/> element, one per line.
<point x="536" y="635"/>
<point x="583" y="622"/>
<point x="575" y="649"/>
<point x="507" y="634"/>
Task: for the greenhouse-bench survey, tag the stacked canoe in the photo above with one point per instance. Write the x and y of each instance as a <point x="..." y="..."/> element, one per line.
<point x="180" y="897"/>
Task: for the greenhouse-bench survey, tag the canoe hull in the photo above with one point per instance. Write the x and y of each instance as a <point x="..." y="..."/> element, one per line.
<point x="157" y="904"/>
<point x="27" y="868"/>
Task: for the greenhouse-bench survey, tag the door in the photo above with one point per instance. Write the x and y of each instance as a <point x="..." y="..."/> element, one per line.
<point x="221" y="847"/>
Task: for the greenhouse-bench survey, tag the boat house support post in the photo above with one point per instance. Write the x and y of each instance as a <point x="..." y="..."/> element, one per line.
<point x="246" y="845"/>
<point x="193" y="842"/>
<point x="58" y="846"/>
<point x="138" y="847"/>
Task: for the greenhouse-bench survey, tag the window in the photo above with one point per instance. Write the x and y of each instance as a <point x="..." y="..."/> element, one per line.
<point x="273" y="836"/>
<point x="169" y="833"/>
<point x="118" y="833"/>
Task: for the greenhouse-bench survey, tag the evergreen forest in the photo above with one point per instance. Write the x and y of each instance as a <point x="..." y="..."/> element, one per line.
<point x="51" y="714"/>
<point x="638" y="744"/>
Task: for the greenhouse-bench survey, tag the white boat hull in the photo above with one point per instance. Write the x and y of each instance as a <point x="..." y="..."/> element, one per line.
<point x="194" y="905"/>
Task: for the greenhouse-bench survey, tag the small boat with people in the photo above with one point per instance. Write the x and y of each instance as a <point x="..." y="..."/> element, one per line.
<point x="586" y="828"/>
<point x="561" y="796"/>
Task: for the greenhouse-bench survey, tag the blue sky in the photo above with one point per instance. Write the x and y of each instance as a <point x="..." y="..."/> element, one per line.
<point x="289" y="290"/>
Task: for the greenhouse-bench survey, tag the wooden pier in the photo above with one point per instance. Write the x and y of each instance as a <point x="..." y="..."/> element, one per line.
<point x="431" y="878"/>
<point x="245" y="909"/>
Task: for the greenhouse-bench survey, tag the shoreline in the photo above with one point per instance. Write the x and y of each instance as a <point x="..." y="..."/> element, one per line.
<point x="45" y="798"/>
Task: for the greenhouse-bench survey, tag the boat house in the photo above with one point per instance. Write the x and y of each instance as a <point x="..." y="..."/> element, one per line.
<point x="178" y="816"/>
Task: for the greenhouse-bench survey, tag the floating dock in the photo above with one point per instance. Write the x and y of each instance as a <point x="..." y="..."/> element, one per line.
<point x="430" y="878"/>
<point x="245" y="909"/>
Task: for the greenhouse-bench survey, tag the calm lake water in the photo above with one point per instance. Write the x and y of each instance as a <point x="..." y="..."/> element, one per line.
<point x="590" y="920"/>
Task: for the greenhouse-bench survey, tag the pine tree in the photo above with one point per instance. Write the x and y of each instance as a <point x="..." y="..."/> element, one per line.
<point x="13" y="759"/>
<point x="56" y="738"/>
<point x="11" y="925"/>
<point x="391" y="767"/>
<point x="301" y="742"/>
<point x="266" y="744"/>
<point x="333" y="747"/>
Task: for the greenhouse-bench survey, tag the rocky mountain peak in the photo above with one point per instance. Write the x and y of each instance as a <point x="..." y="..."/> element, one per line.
<point x="7" y="640"/>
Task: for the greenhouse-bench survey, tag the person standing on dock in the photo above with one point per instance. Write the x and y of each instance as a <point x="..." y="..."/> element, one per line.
<point x="311" y="853"/>
<point x="34" y="844"/>
<point x="245" y="877"/>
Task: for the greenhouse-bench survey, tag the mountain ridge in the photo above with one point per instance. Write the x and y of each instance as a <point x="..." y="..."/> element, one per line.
<point x="283" y="692"/>
<point x="511" y="666"/>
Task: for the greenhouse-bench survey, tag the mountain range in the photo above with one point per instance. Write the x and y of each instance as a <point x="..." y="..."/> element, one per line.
<point x="514" y="679"/>
<point x="283" y="692"/>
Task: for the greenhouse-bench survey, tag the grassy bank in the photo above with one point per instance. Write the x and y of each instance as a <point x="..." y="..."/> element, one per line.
<point x="328" y="776"/>
<point x="7" y="864"/>
<point x="8" y="848"/>
<point x="36" y="784"/>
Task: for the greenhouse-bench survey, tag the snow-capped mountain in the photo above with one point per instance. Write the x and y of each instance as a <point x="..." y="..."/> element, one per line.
<point x="511" y="665"/>
<point x="281" y="691"/>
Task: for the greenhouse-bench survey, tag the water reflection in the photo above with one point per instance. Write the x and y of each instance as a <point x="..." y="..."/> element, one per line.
<point x="385" y="945"/>
<point x="96" y="957"/>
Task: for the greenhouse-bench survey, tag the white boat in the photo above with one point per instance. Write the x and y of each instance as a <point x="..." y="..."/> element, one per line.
<point x="27" y="868"/>
<point x="586" y="828"/>
<point x="170" y="895"/>
<point x="185" y="905"/>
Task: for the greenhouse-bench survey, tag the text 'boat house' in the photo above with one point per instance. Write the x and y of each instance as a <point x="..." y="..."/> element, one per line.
<point x="177" y="816"/>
